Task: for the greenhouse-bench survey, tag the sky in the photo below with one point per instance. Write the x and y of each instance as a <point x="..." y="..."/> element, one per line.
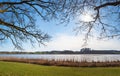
<point x="64" y="38"/>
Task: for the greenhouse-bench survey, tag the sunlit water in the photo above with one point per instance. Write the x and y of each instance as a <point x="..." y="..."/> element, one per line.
<point x="68" y="57"/>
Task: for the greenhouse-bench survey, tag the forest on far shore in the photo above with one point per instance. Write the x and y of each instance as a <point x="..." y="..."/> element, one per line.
<point x="82" y="51"/>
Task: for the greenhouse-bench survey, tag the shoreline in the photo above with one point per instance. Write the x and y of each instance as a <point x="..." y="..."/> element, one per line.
<point x="66" y="53"/>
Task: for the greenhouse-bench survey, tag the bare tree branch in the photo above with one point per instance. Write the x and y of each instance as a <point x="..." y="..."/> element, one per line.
<point x="17" y="18"/>
<point x="107" y="4"/>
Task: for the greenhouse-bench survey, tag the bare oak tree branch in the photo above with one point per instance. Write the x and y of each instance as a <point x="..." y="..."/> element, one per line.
<point x="17" y="18"/>
<point x="107" y="4"/>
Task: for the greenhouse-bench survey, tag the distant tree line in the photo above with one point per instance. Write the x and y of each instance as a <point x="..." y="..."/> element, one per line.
<point x="82" y="51"/>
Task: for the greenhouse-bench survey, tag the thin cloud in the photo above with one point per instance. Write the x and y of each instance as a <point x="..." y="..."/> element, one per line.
<point x="69" y="42"/>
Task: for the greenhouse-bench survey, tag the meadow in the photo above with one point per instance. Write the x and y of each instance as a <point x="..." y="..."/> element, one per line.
<point x="25" y="69"/>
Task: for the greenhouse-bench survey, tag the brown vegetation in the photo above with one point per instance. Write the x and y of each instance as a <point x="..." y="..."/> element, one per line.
<point x="62" y="63"/>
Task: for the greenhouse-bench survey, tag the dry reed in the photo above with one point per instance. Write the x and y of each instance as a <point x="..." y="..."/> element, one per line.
<point x="62" y="63"/>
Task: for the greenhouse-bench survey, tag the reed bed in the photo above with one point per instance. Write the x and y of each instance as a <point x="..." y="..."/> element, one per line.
<point x="62" y="63"/>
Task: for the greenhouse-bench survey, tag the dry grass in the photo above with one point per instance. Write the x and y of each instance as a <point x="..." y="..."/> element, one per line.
<point x="62" y="63"/>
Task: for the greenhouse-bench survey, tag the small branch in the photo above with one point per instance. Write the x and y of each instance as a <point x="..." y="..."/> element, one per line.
<point x="107" y="4"/>
<point x="12" y="3"/>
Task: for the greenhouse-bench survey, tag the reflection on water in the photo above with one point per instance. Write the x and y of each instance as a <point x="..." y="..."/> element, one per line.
<point x="68" y="57"/>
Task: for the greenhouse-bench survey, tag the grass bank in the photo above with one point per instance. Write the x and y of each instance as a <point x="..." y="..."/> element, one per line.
<point x="23" y="69"/>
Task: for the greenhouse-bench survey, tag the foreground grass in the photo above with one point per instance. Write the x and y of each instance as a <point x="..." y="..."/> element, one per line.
<point x="22" y="69"/>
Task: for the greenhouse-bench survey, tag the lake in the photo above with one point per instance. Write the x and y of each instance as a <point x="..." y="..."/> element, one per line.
<point x="68" y="57"/>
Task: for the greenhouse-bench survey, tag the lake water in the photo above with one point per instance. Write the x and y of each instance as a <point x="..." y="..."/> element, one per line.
<point x="68" y="57"/>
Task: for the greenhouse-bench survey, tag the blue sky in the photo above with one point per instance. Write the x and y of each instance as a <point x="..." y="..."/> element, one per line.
<point x="63" y="37"/>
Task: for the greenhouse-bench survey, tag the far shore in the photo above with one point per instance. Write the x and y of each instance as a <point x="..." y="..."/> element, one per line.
<point x="62" y="63"/>
<point x="82" y="51"/>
